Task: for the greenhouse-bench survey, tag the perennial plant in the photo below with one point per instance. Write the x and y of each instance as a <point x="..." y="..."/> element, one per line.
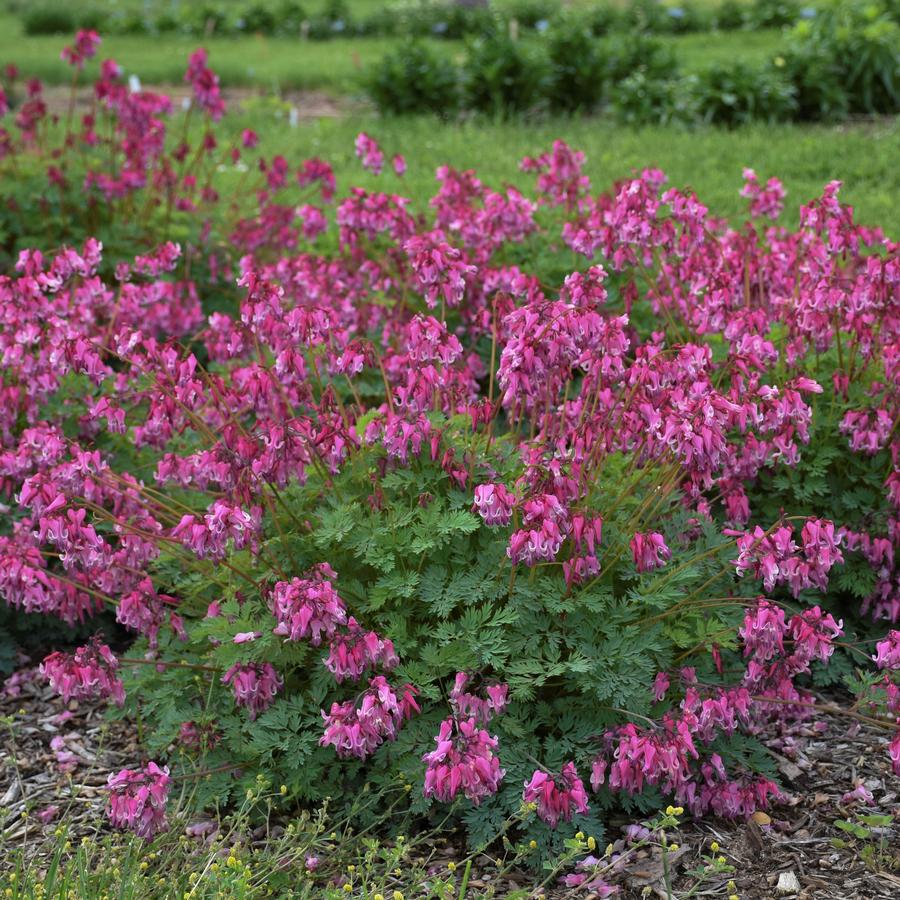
<point x="393" y="487"/>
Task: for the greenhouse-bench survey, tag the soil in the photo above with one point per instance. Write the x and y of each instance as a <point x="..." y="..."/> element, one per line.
<point x="309" y="105"/>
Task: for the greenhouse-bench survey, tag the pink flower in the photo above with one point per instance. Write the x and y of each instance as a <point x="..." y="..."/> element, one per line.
<point x="649" y="551"/>
<point x="65" y="759"/>
<point x="494" y="503"/>
<point x="48" y="814"/>
<point x="137" y="799"/>
<point x="557" y="796"/>
<point x="441" y="270"/>
<point x="351" y="653"/>
<point x="85" y="48"/>
<point x="88" y="673"/>
<point x="244" y="637"/>
<point x="482" y="710"/>
<point x="254" y="685"/>
<point x="464" y="760"/>
<point x="309" y="607"/>
<point x="359" y="729"/>
<point x="859" y="794"/>
<point x="369" y="153"/>
<point x="660" y="686"/>
<point x="763" y="631"/>
<point x="399" y="164"/>
<point x="764" y="201"/>
<point x="887" y="652"/>
<point x="205" y="84"/>
<point x="895" y="753"/>
<point x="198" y="736"/>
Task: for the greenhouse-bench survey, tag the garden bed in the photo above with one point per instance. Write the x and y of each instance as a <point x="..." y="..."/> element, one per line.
<point x="794" y="842"/>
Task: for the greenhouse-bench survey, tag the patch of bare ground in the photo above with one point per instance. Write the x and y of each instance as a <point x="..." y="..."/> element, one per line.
<point x="309" y="104"/>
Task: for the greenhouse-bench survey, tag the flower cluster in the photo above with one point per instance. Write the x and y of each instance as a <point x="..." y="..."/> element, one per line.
<point x="254" y="685"/>
<point x="557" y="796"/>
<point x="358" y="728"/>
<point x="137" y="799"/>
<point x="90" y="672"/>
<point x="464" y="760"/>
<point x="308" y="608"/>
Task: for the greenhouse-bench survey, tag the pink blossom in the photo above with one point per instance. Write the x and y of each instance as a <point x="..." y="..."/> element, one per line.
<point x="254" y="685"/>
<point x="350" y="653"/>
<point x="649" y="551"/>
<point x="369" y="153"/>
<point x="557" y="796"/>
<point x="309" y="607"/>
<point x="464" y="760"/>
<point x="481" y="709"/>
<point x="85" y="47"/>
<point x="244" y="637"/>
<point x="494" y="503"/>
<point x="88" y="673"/>
<point x="887" y="652"/>
<point x="859" y="794"/>
<point x="358" y="728"/>
<point x="137" y="799"/>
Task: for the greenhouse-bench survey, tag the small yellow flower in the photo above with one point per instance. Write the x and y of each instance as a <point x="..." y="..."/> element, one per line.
<point x="670" y="810"/>
<point x="348" y="888"/>
<point x="533" y="845"/>
<point x="733" y="897"/>
<point x="721" y="860"/>
<point x="283" y="789"/>
<point x="398" y="895"/>
<point x="608" y="851"/>
<point x="378" y="897"/>
<point x="351" y="868"/>
<point x="592" y="843"/>
<point x="673" y="848"/>
<point x="714" y="846"/>
<point x="451" y="866"/>
<point x="731" y="887"/>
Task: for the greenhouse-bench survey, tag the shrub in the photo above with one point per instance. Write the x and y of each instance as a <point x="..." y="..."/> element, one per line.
<point x="729" y="15"/>
<point x="257" y="17"/>
<point x="846" y="61"/>
<point x="576" y="80"/>
<point x="736" y="94"/>
<point x="772" y="13"/>
<point x="633" y="53"/>
<point x="502" y="76"/>
<point x="642" y="100"/>
<point x="59" y="19"/>
<point x="414" y="79"/>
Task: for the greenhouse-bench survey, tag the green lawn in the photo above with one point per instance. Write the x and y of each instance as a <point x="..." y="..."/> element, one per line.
<point x="710" y="160"/>
<point x="285" y="63"/>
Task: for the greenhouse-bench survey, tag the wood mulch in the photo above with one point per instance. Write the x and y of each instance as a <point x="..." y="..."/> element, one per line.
<point x="789" y="853"/>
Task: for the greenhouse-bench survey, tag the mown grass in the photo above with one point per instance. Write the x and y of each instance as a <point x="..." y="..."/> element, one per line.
<point x="280" y="64"/>
<point x="708" y="160"/>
